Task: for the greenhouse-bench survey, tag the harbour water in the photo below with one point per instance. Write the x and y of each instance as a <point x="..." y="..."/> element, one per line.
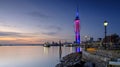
<point x="31" y="56"/>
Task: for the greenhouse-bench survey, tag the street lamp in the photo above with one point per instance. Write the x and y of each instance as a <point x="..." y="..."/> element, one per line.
<point x="105" y="25"/>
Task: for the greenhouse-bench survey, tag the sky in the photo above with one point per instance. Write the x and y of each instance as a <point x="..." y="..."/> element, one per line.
<point x="39" y="21"/>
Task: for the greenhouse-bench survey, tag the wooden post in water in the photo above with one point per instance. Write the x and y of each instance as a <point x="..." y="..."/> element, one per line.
<point x="60" y="51"/>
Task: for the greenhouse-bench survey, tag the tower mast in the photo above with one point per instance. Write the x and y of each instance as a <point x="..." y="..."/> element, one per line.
<point x="77" y="27"/>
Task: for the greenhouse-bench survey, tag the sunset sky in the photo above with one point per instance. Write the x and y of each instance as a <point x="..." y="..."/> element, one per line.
<point x="38" y="21"/>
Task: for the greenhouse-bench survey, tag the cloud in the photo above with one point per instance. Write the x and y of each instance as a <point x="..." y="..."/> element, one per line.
<point x="56" y="28"/>
<point x="50" y="33"/>
<point x="4" y="23"/>
<point x="38" y="14"/>
<point x="9" y="34"/>
<point x="7" y="25"/>
<point x="52" y="30"/>
<point x="17" y="34"/>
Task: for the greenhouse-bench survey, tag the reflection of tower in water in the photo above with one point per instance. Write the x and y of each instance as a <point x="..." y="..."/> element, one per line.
<point x="78" y="49"/>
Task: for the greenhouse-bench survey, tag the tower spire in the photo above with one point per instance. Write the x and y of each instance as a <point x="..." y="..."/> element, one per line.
<point x="77" y="11"/>
<point x="77" y="14"/>
<point x="77" y="27"/>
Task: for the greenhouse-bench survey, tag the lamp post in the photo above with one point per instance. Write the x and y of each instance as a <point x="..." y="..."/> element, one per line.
<point x="105" y="25"/>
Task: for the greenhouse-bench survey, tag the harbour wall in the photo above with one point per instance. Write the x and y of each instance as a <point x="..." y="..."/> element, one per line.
<point x="99" y="61"/>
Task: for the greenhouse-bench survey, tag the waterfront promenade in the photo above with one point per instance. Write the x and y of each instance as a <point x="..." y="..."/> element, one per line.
<point x="96" y="58"/>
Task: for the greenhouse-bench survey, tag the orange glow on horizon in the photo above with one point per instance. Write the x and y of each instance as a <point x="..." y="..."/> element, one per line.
<point x="15" y="40"/>
<point x="6" y="38"/>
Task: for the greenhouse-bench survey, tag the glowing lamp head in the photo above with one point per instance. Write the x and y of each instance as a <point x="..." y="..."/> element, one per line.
<point x="105" y="23"/>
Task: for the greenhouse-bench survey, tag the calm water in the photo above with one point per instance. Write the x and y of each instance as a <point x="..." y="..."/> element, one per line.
<point x="31" y="56"/>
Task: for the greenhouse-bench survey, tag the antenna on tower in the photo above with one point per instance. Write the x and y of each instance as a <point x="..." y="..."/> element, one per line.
<point x="77" y="9"/>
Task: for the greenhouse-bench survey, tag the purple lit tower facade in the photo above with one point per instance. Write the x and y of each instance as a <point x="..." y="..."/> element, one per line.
<point x="77" y="28"/>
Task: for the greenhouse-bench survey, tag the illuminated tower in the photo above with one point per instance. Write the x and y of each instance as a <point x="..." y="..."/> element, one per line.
<point x="77" y="28"/>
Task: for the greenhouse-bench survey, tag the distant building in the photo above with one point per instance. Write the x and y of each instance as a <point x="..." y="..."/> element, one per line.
<point x="91" y="39"/>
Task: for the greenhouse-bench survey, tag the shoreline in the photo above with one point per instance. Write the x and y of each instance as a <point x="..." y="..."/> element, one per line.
<point x="74" y="60"/>
<point x="98" y="58"/>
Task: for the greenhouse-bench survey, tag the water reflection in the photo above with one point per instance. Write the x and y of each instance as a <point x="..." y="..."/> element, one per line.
<point x="31" y="56"/>
<point x="78" y="49"/>
<point x="45" y="51"/>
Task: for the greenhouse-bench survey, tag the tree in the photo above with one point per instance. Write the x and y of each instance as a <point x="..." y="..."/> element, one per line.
<point x="114" y="38"/>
